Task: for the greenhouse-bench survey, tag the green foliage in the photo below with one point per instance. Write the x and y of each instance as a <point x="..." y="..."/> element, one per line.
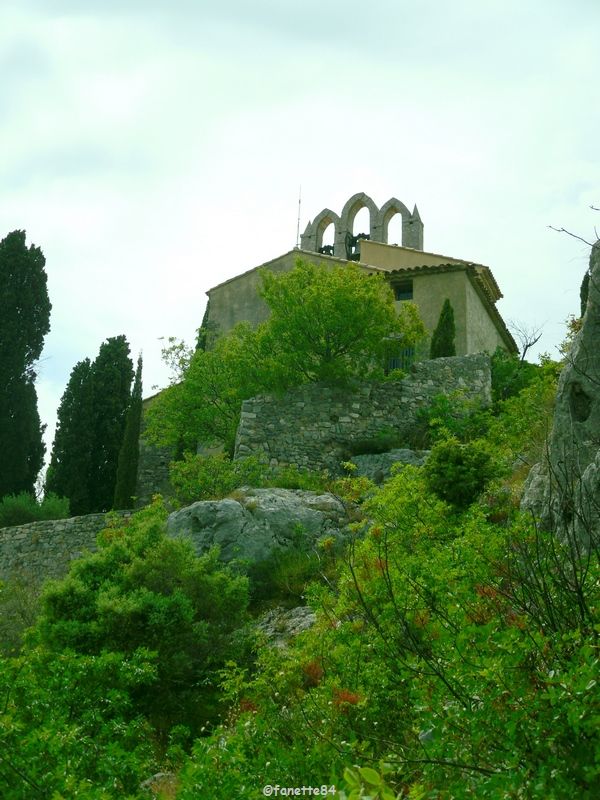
<point x="112" y="374"/>
<point x="458" y="473"/>
<point x="140" y="591"/>
<point x="24" y="321"/>
<point x="68" y="726"/>
<point x="366" y="781"/>
<point x="22" y="508"/>
<point x="127" y="466"/>
<point x="443" y="338"/>
<point x="459" y="656"/>
<point x="91" y="424"/>
<point x="455" y="414"/>
<point x="205" y="405"/>
<point x="510" y="375"/>
<point x="521" y="424"/>
<point x="325" y="325"/>
<point x="213" y="477"/>
<point x="19" y="605"/>
<point x="331" y="324"/>
<point x="70" y="466"/>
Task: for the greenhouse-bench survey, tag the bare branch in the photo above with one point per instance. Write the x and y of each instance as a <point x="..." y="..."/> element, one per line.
<point x="526" y="336"/>
<point x="574" y="235"/>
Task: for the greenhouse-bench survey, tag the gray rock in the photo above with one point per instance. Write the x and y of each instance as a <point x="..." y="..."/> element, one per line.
<point x="255" y="523"/>
<point x="377" y="466"/>
<point x="563" y="492"/>
<point x="280" y="625"/>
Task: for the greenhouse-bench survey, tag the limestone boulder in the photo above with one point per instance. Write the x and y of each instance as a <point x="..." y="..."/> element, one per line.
<point x="254" y="524"/>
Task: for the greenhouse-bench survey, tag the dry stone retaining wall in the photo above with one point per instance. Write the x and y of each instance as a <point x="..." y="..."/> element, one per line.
<point x="41" y="550"/>
<point x="314" y="426"/>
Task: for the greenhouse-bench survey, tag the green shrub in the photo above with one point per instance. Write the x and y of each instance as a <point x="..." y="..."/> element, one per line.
<point x="458" y="473"/>
<point x="213" y="477"/>
<point x="19" y="605"/>
<point x="510" y="375"/>
<point x="22" y="508"/>
<point x="142" y="590"/>
<point x="217" y="476"/>
<point x="292" y="477"/>
<point x="453" y="414"/>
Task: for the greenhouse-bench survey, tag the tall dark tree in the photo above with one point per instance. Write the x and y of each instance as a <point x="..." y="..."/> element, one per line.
<point x="443" y="339"/>
<point x="24" y="321"/>
<point x="112" y="374"/>
<point x="91" y="423"/>
<point x="128" y="455"/>
<point x="69" y="472"/>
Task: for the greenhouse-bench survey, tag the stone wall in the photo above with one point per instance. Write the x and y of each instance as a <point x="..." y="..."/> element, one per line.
<point x="315" y="426"/>
<point x="41" y="550"/>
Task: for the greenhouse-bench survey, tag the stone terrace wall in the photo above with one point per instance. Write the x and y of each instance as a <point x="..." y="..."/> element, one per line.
<point x="314" y="426"/>
<point x="41" y="550"/>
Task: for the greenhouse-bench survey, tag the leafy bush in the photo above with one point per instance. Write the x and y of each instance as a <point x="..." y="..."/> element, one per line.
<point x="22" y="508"/>
<point x="19" y="604"/>
<point x="458" y="473"/>
<point x="453" y="414"/>
<point x="510" y="375"/>
<point x="69" y="728"/>
<point x="142" y="590"/>
<point x="214" y="477"/>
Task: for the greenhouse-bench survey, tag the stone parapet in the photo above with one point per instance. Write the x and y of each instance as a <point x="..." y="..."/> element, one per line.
<point x="314" y="426"/>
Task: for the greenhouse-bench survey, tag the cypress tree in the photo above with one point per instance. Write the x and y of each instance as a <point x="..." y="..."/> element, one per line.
<point x="128" y="455"/>
<point x="91" y="423"/>
<point x="69" y="472"/>
<point x="442" y="341"/>
<point x="24" y="321"/>
<point x="112" y="373"/>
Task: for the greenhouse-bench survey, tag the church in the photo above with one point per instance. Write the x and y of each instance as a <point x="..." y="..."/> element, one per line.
<point x="413" y="273"/>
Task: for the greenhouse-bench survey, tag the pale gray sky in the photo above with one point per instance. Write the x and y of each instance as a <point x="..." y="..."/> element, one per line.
<point x="155" y="148"/>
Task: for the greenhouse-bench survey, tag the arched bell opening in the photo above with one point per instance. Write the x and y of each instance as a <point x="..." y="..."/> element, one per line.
<point x="393" y="228"/>
<point x="327" y="239"/>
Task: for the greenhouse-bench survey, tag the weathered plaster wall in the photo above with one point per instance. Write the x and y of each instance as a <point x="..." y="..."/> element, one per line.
<point x="315" y="426"/>
<point x="482" y="334"/>
<point x="429" y="293"/>
<point x="41" y="550"/>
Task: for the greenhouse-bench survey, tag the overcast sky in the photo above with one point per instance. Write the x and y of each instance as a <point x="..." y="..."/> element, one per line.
<point x="154" y="148"/>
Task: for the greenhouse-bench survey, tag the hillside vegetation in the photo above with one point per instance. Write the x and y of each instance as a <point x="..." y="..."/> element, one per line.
<point x="455" y="652"/>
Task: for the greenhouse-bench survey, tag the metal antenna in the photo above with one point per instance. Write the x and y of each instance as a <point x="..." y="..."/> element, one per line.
<point x="298" y="225"/>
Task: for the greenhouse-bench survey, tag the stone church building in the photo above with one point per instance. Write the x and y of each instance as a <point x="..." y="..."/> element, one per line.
<point x="413" y="273"/>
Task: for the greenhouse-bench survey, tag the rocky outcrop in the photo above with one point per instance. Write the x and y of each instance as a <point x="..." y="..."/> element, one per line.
<point x="279" y="625"/>
<point x="254" y="524"/>
<point x="378" y="466"/>
<point x="563" y="491"/>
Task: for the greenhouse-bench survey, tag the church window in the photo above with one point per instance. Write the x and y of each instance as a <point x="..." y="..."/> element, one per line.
<point x="404" y="290"/>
